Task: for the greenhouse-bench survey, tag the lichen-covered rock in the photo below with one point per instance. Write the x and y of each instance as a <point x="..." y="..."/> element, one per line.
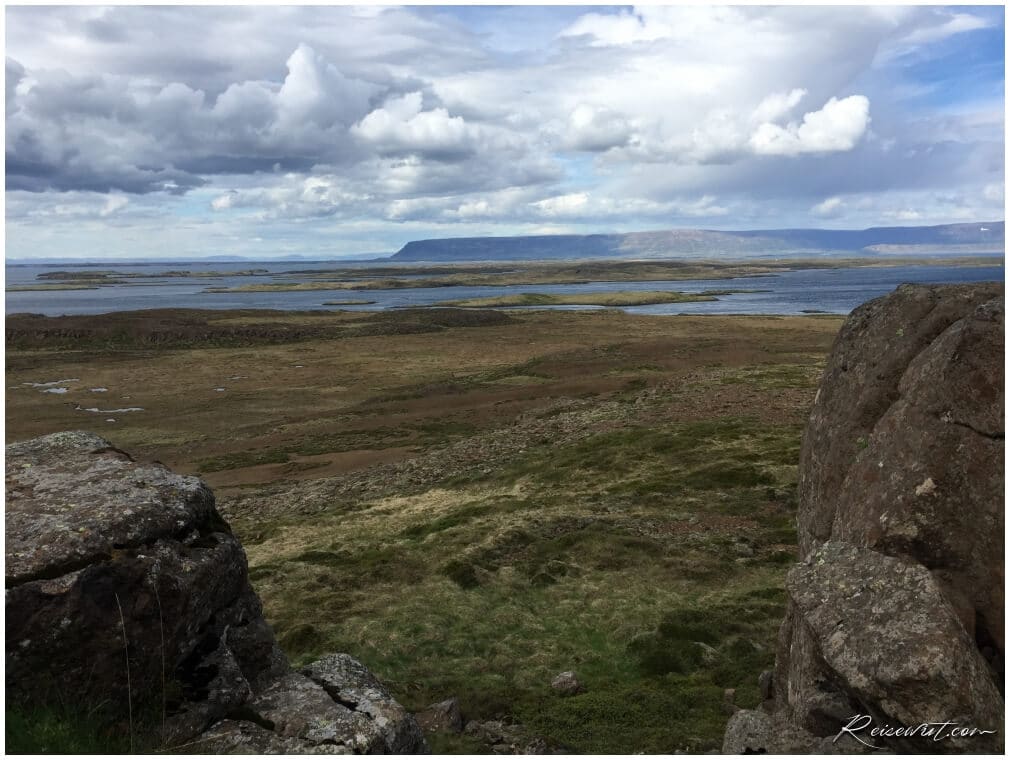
<point x="887" y="636"/>
<point x="299" y="708"/>
<point x="566" y="684"/>
<point x="897" y="611"/>
<point x="928" y="484"/>
<point x="333" y="706"/>
<point x="755" y="732"/>
<point x="874" y="349"/>
<point x="107" y="557"/>
<point x="238" y="737"/>
<point x="350" y="683"/>
<point x="125" y="586"/>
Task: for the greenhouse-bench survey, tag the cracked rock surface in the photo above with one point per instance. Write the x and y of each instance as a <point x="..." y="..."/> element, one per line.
<point x="109" y="559"/>
<point x="897" y="610"/>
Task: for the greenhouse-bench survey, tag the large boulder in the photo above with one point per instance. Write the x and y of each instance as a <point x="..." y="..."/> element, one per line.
<point x="897" y="610"/>
<point x="126" y="587"/>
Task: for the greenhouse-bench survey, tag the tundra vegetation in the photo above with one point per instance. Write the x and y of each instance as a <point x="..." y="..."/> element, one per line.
<point x="471" y="502"/>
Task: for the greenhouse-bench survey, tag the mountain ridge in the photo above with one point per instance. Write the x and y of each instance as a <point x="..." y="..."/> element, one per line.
<point x="969" y="237"/>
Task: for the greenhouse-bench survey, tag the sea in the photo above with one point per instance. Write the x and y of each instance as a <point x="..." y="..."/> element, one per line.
<point x="799" y="291"/>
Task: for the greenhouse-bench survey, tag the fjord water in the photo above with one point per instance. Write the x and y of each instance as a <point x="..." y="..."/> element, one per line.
<point x="833" y="291"/>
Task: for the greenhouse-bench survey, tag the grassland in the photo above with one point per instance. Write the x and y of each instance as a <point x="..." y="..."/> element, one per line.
<point x="603" y="298"/>
<point x="603" y="492"/>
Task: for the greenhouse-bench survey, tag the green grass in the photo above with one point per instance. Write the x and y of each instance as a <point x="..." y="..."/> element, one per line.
<point x="776" y="376"/>
<point x="30" y="731"/>
<point x="422" y="434"/>
<point x="650" y="561"/>
<point x="66" y="728"/>
<point x="641" y="540"/>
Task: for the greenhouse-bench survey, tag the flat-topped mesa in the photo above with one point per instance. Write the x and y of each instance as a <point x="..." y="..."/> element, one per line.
<point x="896" y="612"/>
<point x="104" y="551"/>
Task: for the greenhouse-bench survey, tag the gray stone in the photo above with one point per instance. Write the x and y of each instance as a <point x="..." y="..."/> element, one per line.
<point x="882" y="627"/>
<point x="348" y="682"/>
<point x="237" y="737"/>
<point x="108" y="558"/>
<point x="95" y="540"/>
<point x="567" y="684"/>
<point x="766" y="684"/>
<point x="441" y="716"/>
<point x="897" y="610"/>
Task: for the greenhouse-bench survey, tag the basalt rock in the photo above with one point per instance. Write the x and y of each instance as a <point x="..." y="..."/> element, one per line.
<point x="896" y="612"/>
<point x="125" y="587"/>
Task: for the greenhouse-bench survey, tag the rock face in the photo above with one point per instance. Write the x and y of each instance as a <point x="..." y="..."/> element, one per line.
<point x="896" y="611"/>
<point x="123" y="581"/>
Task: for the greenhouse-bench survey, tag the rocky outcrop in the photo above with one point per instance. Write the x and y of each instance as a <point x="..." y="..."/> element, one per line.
<point x="125" y="586"/>
<point x="896" y="610"/>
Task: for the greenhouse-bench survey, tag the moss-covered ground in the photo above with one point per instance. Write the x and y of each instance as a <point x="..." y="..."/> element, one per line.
<point x="472" y="509"/>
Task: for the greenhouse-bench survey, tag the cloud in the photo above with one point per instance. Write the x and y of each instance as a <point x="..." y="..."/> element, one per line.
<point x="586" y="206"/>
<point x="114" y="203"/>
<point x="595" y="129"/>
<point x="15" y="72"/>
<point x="903" y="215"/>
<point x="563" y="205"/>
<point x="315" y="91"/>
<point x="650" y="23"/>
<point x="401" y="126"/>
<point x="956" y="23"/>
<point x="838" y="126"/>
<point x="499" y="118"/>
<point x="829" y="208"/>
<point x="622" y="29"/>
<point x="70" y="132"/>
<point x="777" y="105"/>
<point x="296" y="197"/>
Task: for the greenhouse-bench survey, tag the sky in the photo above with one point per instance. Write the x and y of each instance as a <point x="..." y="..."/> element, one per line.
<point x="261" y="131"/>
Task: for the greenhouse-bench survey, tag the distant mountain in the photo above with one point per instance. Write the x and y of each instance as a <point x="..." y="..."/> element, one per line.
<point x="975" y="237"/>
<point x="191" y="261"/>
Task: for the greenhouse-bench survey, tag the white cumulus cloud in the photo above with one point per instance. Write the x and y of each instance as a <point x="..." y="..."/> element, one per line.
<point x="838" y="126"/>
<point x="402" y="125"/>
<point x="777" y="105"/>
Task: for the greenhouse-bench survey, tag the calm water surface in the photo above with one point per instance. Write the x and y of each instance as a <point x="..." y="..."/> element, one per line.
<point x="835" y="291"/>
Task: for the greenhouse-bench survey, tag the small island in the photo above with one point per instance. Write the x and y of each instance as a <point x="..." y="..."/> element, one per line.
<point x="603" y="298"/>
